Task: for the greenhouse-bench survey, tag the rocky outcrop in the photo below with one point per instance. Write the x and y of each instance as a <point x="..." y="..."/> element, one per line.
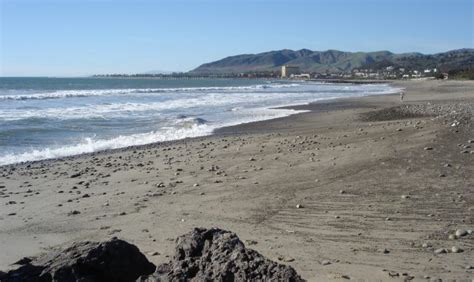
<point x="201" y="255"/>
<point x="219" y="255"/>
<point x="112" y="260"/>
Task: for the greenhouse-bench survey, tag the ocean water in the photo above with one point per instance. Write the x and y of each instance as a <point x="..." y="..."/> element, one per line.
<point x="42" y="118"/>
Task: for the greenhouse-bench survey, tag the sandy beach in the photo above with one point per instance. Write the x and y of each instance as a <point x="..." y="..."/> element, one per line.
<point x="364" y="188"/>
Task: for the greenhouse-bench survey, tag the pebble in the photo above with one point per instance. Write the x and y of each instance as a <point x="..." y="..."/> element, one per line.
<point x="460" y="233"/>
<point x="298" y="206"/>
<point x="74" y="212"/>
<point x="325" y="262"/>
<point x="428" y="148"/>
<point x="288" y="259"/>
<point x="251" y="242"/>
<point x="456" y="249"/>
<point x="440" y="251"/>
<point x="405" y="196"/>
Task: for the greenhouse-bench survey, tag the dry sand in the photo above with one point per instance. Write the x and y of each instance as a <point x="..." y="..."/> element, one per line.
<point x="378" y="194"/>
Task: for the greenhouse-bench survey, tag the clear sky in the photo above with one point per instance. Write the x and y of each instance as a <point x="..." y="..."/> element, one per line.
<point x="83" y="37"/>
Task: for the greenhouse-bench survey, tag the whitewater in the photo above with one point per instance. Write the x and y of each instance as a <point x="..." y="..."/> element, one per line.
<point x="44" y="118"/>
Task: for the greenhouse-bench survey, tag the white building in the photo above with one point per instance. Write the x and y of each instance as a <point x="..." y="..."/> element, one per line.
<point x="287" y="70"/>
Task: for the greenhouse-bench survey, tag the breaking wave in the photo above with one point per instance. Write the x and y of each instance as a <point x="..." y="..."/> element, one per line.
<point x="103" y="92"/>
<point x="184" y="127"/>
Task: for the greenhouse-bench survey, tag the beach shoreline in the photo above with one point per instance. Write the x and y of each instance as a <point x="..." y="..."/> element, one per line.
<point x="348" y="174"/>
<point x="302" y="108"/>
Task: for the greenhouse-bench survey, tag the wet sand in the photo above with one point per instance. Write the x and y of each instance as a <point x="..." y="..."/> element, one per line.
<point x="379" y="191"/>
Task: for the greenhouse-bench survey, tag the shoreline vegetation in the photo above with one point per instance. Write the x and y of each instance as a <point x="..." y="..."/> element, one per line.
<point x="331" y="64"/>
<point x="367" y="188"/>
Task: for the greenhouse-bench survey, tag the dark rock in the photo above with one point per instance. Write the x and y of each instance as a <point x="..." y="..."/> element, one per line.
<point x="113" y="260"/>
<point x="75" y="175"/>
<point x="74" y="212"/>
<point x="219" y="255"/>
<point x="23" y="261"/>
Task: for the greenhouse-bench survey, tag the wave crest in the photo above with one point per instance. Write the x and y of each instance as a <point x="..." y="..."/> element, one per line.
<point x="103" y="92"/>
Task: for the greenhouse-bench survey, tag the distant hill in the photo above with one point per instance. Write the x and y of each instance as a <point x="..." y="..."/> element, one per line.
<point x="334" y="61"/>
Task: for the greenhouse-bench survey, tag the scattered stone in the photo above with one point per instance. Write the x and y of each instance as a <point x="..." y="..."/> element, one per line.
<point x="218" y="255"/>
<point x="325" y="262"/>
<point x="440" y="251"/>
<point x="288" y="259"/>
<point x="74" y="212"/>
<point x="456" y="250"/>
<point x="393" y="274"/>
<point x="251" y="242"/>
<point x="298" y="206"/>
<point x="460" y="233"/>
<point x="405" y="196"/>
<point x="428" y="148"/>
<point x="76" y="175"/>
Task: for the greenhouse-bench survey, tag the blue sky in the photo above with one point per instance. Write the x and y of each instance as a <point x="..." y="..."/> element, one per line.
<point x="73" y="37"/>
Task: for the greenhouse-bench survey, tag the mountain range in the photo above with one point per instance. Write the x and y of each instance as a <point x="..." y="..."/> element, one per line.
<point x="337" y="61"/>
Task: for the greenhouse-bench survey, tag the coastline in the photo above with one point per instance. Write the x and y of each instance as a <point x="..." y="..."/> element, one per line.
<point x="251" y="176"/>
<point x="307" y="107"/>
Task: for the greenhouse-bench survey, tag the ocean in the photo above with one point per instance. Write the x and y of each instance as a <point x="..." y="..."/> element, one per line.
<point x="43" y="118"/>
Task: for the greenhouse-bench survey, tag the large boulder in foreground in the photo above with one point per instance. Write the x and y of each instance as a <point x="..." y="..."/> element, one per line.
<point x="219" y="255"/>
<point x="112" y="260"/>
<point x="201" y="255"/>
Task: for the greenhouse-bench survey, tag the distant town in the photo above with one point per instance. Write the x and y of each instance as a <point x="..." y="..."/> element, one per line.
<point x="305" y="64"/>
<point x="294" y="72"/>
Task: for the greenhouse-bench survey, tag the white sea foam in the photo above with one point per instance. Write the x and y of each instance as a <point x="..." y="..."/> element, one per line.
<point x="110" y="92"/>
<point x="224" y="106"/>
<point x="205" y="99"/>
<point x="186" y="128"/>
<point x="89" y="145"/>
